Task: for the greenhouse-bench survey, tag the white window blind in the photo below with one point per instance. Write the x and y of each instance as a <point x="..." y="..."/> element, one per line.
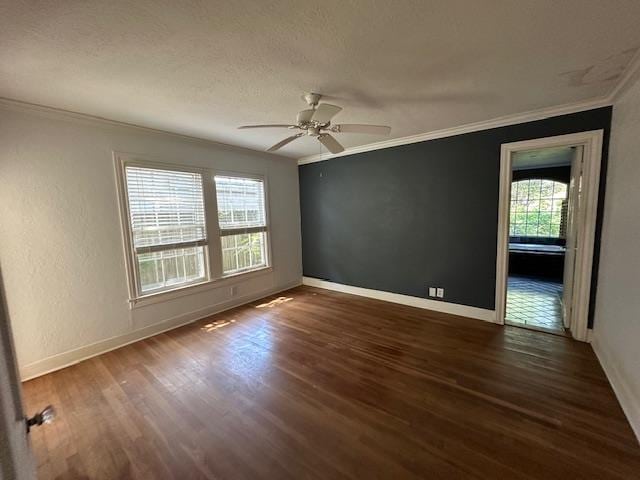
<point x="240" y="203"/>
<point x="167" y="218"/>
<point x="243" y="223"/>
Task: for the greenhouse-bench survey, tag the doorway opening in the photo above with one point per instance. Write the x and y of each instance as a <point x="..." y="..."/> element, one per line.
<point x="547" y="217"/>
<point x="538" y="221"/>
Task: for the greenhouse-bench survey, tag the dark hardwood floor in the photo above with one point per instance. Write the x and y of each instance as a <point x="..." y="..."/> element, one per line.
<point x="318" y="384"/>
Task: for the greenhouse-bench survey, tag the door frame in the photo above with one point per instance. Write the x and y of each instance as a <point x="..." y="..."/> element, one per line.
<point x="592" y="142"/>
<point x="17" y="460"/>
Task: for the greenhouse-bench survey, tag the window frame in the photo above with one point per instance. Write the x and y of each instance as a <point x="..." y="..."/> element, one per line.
<point x="266" y="229"/>
<point x="214" y="276"/>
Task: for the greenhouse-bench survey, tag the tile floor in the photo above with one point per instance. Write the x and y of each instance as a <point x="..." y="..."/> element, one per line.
<point x="534" y="302"/>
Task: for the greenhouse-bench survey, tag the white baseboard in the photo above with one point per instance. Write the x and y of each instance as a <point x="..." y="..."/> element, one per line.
<point x="71" y="357"/>
<point x="435" y="305"/>
<point x="629" y="402"/>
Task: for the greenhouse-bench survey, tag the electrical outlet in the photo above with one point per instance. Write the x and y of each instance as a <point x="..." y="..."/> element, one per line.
<point x="440" y="292"/>
<point x="432" y="291"/>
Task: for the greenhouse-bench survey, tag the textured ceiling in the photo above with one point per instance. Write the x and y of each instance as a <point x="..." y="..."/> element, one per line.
<point x="203" y="68"/>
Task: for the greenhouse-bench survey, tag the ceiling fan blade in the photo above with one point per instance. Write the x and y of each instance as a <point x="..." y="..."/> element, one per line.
<point x="287" y="140"/>
<point x="267" y="126"/>
<point x="305" y="115"/>
<point x="357" y="128"/>
<point x="325" y="112"/>
<point x="331" y="143"/>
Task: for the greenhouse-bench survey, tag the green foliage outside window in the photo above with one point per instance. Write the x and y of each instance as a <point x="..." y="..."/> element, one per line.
<point x="538" y="208"/>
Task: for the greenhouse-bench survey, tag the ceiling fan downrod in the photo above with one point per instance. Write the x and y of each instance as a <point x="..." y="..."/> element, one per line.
<point x="312" y="99"/>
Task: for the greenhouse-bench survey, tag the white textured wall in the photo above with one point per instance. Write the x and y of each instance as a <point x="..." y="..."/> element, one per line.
<point x="61" y="249"/>
<point x="617" y="316"/>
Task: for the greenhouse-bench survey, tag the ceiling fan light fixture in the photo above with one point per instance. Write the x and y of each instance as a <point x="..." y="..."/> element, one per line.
<point x="316" y="122"/>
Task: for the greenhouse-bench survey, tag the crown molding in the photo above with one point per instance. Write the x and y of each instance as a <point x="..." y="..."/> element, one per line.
<point x="629" y="76"/>
<point x="504" y="121"/>
<point x="83" y="117"/>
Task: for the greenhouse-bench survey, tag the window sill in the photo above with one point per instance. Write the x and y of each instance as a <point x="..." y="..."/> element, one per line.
<point x="192" y="289"/>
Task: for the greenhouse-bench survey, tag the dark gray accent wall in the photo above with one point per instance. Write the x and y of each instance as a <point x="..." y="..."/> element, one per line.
<point x="425" y="214"/>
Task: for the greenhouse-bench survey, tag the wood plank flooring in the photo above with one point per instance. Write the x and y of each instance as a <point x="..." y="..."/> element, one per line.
<point x="317" y="384"/>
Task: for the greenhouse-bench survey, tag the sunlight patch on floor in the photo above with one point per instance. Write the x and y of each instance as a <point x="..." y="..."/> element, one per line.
<point x="275" y="302"/>
<point x="210" y="327"/>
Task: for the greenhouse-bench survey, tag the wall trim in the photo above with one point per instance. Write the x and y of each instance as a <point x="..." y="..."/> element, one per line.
<point x="629" y="402"/>
<point x="592" y="158"/>
<point x="71" y="357"/>
<point x="427" y="304"/>
<point x="86" y="118"/>
<point x="589" y="335"/>
<point x="504" y="121"/>
<point x="628" y="77"/>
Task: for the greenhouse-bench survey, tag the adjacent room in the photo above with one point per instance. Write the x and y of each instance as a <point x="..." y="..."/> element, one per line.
<point x="538" y="225"/>
<point x="338" y="240"/>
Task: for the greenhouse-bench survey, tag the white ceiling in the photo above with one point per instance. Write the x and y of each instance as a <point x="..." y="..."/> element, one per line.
<point x="203" y="68"/>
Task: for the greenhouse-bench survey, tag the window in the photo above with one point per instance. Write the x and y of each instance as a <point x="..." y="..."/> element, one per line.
<point x="169" y="218"/>
<point x="243" y="223"/>
<point x="538" y="208"/>
<point x="166" y="210"/>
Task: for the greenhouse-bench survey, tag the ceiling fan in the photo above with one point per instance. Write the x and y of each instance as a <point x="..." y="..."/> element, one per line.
<point x="316" y="122"/>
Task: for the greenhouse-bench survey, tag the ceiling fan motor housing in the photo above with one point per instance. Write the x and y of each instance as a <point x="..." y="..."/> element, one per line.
<point x="312" y="99"/>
